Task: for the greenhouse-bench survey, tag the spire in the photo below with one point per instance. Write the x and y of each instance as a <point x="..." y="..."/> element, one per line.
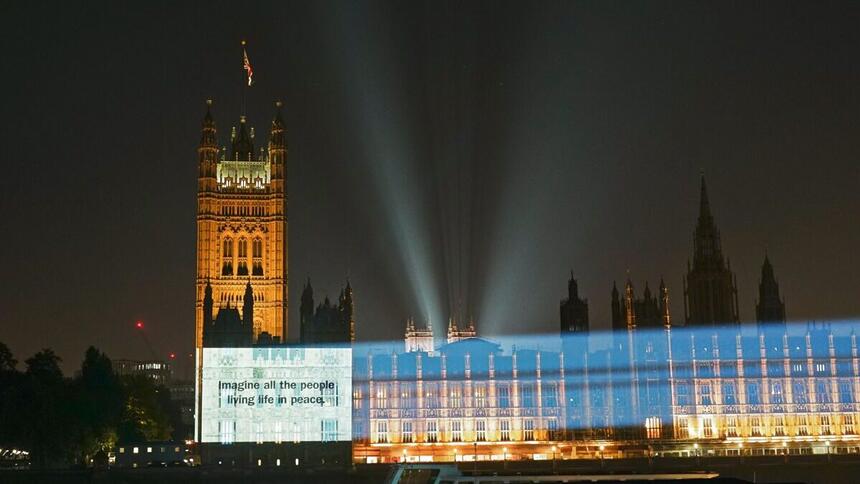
<point x="769" y="308"/>
<point x="704" y="205"/>
<point x="243" y="143"/>
<point x="248" y="306"/>
<point x="572" y="288"/>
<point x="208" y="303"/>
<point x="207" y="139"/>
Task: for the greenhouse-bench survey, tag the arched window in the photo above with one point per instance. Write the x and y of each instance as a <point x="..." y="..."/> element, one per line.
<point x="242" y="269"/>
<point x="243" y="248"/>
<point x="257" y="251"/>
<point x="227" y="257"/>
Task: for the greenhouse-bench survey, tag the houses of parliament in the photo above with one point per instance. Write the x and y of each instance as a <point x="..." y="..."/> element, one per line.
<point x="243" y="245"/>
<point x="707" y="386"/>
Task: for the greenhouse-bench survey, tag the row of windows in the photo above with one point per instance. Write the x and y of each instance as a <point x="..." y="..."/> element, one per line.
<point x="458" y="396"/>
<point x="243" y="210"/>
<point x="454" y="431"/>
<point x="328" y="431"/>
<point x="228" y="255"/>
<point x="802" y="392"/>
<point x="256" y="248"/>
<point x="776" y="426"/>
<point x="775" y="367"/>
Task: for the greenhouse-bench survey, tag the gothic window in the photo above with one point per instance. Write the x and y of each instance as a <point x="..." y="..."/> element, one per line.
<point x="456" y="396"/>
<point x="257" y="252"/>
<point x="382" y="432"/>
<point x="552" y="429"/>
<point x="822" y="391"/>
<point x="825" y="424"/>
<point x="481" y="431"/>
<point x="504" y="430"/>
<point x="846" y="395"/>
<point x="381" y="396"/>
<point x="776" y="396"/>
<point x="779" y="426"/>
<point x="227" y="257"/>
<point x="528" y="392"/>
<point x="755" y="426"/>
<point x="456" y="431"/>
<point x="549" y="394"/>
<point x="707" y="428"/>
<point x="406" y="434"/>
<point x="731" y="426"/>
<point x="432" y="431"/>
<point x="528" y="430"/>
<point x="504" y="396"/>
<point x="407" y="396"/>
<point x="753" y="394"/>
<point x="705" y="394"/>
<point x="729" y="394"/>
<point x="848" y="424"/>
<point x="800" y="393"/>
<point x="653" y="427"/>
<point x="431" y="396"/>
<point x="328" y="430"/>
<point x="480" y="396"/>
<point x="243" y="258"/>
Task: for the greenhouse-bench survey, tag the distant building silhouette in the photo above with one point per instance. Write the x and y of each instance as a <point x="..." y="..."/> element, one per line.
<point x="770" y="308"/>
<point x="327" y="323"/>
<point x="229" y="328"/>
<point x="647" y="312"/>
<point x="710" y="288"/>
<point x="573" y="310"/>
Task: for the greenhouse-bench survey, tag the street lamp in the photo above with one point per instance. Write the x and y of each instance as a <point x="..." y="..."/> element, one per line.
<point x="602" y="448"/>
<point x="505" y="457"/>
<point x="554" y="450"/>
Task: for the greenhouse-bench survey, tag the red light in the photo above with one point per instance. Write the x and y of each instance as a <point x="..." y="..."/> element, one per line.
<point x="172" y="356"/>
<point x="139" y="325"/>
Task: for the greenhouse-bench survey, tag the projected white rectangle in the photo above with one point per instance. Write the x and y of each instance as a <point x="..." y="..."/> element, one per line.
<point x="276" y="395"/>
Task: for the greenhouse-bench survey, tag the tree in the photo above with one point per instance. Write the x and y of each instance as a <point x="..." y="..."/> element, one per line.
<point x="43" y="410"/>
<point x="97" y="405"/>
<point x="10" y="398"/>
<point x="144" y="417"/>
<point x="8" y="363"/>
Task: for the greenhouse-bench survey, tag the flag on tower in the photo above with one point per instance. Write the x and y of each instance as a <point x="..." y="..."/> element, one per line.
<point x="247" y="65"/>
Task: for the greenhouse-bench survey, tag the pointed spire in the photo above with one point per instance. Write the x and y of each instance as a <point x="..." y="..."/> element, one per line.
<point x="243" y="143"/>
<point x="704" y="204"/>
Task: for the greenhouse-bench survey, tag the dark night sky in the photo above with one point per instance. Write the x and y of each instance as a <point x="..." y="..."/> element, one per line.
<point x="439" y="152"/>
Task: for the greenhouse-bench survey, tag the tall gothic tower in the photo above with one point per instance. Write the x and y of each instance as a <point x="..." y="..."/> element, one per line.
<point x="710" y="289"/>
<point x="242" y="225"/>
<point x="769" y="308"/>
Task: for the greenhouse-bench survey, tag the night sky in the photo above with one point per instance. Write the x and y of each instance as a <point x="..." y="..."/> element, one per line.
<point x="445" y="157"/>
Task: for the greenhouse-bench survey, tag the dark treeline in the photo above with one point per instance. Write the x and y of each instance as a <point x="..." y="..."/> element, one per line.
<point x="65" y="421"/>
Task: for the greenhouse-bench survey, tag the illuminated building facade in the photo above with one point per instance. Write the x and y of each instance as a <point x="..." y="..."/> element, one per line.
<point x="242" y="225"/>
<point x="663" y="391"/>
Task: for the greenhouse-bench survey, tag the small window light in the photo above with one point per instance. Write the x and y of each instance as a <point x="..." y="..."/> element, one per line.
<point x="136" y="450"/>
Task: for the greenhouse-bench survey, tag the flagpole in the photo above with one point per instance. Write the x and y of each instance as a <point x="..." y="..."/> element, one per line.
<point x="244" y="74"/>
